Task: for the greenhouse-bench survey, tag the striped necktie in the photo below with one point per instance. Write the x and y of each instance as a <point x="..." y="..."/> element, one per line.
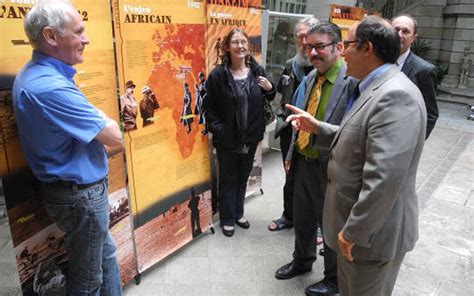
<point x="303" y="137"/>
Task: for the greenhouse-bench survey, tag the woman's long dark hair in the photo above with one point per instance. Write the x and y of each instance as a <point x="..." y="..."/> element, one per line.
<point x="225" y="56"/>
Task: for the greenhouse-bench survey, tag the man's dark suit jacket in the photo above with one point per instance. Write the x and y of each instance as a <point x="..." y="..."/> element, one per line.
<point x="423" y="74"/>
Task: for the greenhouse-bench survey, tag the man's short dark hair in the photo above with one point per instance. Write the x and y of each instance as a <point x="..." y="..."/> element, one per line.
<point x="415" y="23"/>
<point x="382" y="35"/>
<point x="327" y="28"/>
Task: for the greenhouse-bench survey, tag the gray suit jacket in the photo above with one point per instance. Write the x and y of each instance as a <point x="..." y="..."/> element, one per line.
<point x="341" y="91"/>
<point x="424" y="75"/>
<point x="374" y="156"/>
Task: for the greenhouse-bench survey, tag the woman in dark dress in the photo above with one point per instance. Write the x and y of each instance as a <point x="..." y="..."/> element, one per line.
<point x="236" y="90"/>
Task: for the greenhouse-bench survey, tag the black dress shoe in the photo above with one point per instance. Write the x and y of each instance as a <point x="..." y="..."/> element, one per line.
<point x="229" y="232"/>
<point x="245" y="225"/>
<point x="322" y="288"/>
<point x="289" y="271"/>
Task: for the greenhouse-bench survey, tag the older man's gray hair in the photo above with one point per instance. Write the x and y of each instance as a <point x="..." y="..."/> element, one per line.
<point x="46" y="13"/>
<point x="309" y="22"/>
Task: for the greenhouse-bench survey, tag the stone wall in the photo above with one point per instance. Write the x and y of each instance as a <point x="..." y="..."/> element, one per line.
<point x="429" y="15"/>
<point x="458" y="34"/>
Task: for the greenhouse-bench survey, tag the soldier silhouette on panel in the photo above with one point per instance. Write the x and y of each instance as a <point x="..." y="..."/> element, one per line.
<point x="193" y="205"/>
<point x="129" y="107"/>
<point x="148" y="105"/>
<point x="187" y="114"/>
<point x="218" y="48"/>
<point x="200" y="91"/>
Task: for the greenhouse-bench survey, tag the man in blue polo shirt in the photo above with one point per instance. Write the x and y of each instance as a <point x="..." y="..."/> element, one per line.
<point x="63" y="138"/>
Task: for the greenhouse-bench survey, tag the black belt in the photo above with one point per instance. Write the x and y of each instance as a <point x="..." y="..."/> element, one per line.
<point x="73" y="185"/>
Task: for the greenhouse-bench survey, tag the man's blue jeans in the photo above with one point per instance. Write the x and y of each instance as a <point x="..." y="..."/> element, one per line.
<point x="83" y="214"/>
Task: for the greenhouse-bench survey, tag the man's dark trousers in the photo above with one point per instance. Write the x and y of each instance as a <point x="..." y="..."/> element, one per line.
<point x="309" y="187"/>
<point x="285" y="141"/>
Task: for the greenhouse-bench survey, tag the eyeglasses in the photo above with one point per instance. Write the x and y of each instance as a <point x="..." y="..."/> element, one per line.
<point x="237" y="42"/>
<point x="346" y="43"/>
<point x="318" y="47"/>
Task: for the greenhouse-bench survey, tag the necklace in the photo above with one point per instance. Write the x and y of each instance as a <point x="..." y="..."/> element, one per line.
<point x="242" y="82"/>
<point x="240" y="73"/>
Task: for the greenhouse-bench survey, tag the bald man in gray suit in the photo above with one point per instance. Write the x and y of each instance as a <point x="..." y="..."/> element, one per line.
<point x="371" y="209"/>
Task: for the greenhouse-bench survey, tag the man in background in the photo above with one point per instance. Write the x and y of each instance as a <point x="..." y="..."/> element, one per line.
<point x="295" y="70"/>
<point x="420" y="72"/>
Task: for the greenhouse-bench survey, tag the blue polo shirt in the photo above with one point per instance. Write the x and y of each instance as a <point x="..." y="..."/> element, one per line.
<point x="57" y="124"/>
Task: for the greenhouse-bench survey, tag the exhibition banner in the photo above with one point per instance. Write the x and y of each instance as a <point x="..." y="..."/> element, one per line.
<point x="161" y="68"/>
<point x="38" y="243"/>
<point x="221" y="18"/>
<point x="346" y="16"/>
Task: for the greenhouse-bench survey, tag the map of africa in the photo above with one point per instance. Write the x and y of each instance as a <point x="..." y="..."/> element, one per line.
<point x="178" y="57"/>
